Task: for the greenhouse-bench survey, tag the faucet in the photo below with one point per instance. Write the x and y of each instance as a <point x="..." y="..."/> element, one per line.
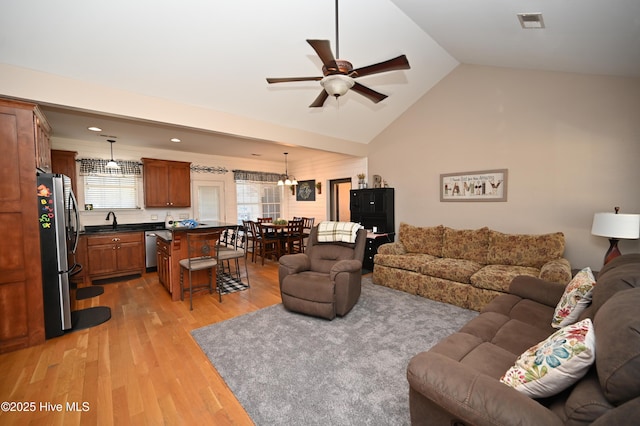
<point x="115" y="222"/>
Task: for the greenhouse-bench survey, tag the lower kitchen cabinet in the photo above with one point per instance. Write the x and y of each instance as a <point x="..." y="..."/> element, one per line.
<point x="164" y="262"/>
<point x="115" y="254"/>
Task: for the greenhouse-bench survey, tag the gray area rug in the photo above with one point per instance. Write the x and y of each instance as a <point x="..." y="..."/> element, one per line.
<point x="290" y="369"/>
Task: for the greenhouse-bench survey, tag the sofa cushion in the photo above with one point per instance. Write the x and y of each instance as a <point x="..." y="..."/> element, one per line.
<point x="618" y="346"/>
<point x="554" y="364"/>
<point x="576" y="298"/>
<point x="470" y="244"/>
<point x="524" y="250"/>
<point x="417" y="239"/>
<point x="409" y="262"/>
<point x="617" y="275"/>
<point x="458" y="270"/>
<point x="556" y="271"/>
<point x="498" y="277"/>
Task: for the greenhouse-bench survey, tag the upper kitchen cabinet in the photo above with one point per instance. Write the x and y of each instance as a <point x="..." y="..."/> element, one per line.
<point x="166" y="183"/>
<point x="42" y="130"/>
<point x="64" y="162"/>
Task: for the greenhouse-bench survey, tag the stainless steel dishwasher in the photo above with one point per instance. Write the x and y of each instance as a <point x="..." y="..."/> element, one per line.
<point x="151" y="261"/>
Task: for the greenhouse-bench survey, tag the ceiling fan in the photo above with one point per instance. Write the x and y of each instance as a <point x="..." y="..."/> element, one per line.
<point x="339" y="75"/>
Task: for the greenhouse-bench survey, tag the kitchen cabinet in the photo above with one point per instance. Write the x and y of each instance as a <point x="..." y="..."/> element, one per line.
<point x="166" y="183"/>
<point x="115" y="254"/>
<point x="164" y="262"/>
<point x="64" y="162"/>
<point x="21" y="299"/>
<point x="42" y="130"/>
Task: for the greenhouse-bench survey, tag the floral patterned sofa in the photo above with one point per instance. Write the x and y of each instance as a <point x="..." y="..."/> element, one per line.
<point x="467" y="267"/>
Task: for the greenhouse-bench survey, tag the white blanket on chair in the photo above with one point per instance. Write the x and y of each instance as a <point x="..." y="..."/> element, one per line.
<point x="345" y="232"/>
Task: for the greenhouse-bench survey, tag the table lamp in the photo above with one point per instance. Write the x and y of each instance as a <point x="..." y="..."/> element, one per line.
<point x="615" y="226"/>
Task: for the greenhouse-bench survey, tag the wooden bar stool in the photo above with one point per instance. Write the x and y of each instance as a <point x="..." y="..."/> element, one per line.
<point x="203" y="250"/>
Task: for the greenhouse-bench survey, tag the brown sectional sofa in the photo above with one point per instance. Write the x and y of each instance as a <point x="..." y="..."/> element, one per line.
<point x="467" y="268"/>
<point x="456" y="382"/>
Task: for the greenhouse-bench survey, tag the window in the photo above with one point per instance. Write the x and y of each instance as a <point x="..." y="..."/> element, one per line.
<point x="108" y="188"/>
<point x="257" y="199"/>
<point x="111" y="192"/>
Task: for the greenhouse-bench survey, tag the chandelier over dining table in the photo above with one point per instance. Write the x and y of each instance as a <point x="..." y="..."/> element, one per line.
<point x="287" y="180"/>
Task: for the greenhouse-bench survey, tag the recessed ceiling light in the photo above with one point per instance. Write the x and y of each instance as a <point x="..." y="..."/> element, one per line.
<point x="176" y="140"/>
<point x="530" y="21"/>
<point x="94" y="129"/>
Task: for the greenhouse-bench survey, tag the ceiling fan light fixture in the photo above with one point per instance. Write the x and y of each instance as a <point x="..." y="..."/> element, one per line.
<point x="337" y="84"/>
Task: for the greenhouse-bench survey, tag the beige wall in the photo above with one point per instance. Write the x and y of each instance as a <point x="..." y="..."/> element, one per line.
<point x="571" y="143"/>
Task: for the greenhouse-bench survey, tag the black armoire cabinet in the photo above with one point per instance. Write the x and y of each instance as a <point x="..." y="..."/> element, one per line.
<point x="373" y="207"/>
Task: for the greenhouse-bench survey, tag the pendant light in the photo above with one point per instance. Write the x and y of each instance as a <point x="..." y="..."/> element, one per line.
<point x="288" y="181"/>
<point x="112" y="164"/>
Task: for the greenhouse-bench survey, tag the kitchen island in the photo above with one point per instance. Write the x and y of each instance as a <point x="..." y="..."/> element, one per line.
<point x="172" y="247"/>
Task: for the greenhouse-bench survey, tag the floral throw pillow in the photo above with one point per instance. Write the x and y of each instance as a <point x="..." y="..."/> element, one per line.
<point x="576" y="298"/>
<point x="556" y="363"/>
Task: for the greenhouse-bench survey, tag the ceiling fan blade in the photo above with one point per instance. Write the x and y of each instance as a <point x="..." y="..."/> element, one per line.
<point x="368" y="93"/>
<point x="319" y="102"/>
<point x="399" y="63"/>
<point x="289" y="79"/>
<point x="323" y="49"/>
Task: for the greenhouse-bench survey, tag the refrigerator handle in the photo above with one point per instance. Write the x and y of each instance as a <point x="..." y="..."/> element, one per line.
<point x="73" y="204"/>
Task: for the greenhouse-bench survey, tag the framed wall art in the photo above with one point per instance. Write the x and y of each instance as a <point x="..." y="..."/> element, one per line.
<point x="485" y="185"/>
<point x="306" y="190"/>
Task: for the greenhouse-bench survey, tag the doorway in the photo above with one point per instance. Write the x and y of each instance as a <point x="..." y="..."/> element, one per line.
<point x="340" y="195"/>
<point x="208" y="200"/>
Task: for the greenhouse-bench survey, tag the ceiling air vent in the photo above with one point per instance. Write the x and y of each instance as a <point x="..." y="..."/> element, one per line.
<point x="531" y="20"/>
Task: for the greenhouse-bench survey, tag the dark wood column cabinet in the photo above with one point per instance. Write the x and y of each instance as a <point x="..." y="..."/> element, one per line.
<point x="24" y="143"/>
<point x="167" y="183"/>
<point x="373" y="207"/>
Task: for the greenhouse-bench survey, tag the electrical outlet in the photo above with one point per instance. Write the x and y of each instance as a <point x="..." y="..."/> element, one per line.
<point x="154" y="217"/>
<point x="183" y="216"/>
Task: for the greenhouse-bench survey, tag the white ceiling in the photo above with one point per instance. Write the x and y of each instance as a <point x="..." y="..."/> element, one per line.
<point x="214" y="56"/>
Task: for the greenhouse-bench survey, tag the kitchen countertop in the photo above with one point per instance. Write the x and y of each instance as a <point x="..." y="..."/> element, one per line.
<point x="123" y="227"/>
<point x="211" y="224"/>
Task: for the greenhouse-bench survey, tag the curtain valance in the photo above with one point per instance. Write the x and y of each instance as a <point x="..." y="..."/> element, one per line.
<point x="255" y="176"/>
<point x="98" y="167"/>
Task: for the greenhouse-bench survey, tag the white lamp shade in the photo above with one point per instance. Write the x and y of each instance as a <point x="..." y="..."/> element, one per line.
<point x="612" y="225"/>
<point x="337" y="84"/>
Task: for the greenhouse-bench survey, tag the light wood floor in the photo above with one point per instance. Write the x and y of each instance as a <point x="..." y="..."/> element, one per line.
<point x="140" y="367"/>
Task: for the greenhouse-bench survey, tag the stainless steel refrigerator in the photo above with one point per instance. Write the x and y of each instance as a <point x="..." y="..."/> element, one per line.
<point x="59" y="229"/>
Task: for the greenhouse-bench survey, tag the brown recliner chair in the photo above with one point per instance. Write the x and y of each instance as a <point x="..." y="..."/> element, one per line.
<point x="325" y="280"/>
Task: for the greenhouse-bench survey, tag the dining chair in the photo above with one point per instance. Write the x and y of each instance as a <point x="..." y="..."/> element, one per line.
<point x="202" y="252"/>
<point x="306" y="228"/>
<point x="233" y="248"/>
<point x="250" y="240"/>
<point x="264" y="220"/>
<point x="293" y="236"/>
<point x="268" y="242"/>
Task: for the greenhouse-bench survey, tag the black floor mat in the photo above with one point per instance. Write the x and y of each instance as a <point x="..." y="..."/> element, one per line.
<point x="88" y="292"/>
<point x="90" y="317"/>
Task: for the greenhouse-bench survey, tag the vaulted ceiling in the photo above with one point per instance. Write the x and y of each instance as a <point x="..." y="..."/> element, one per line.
<point x="148" y="70"/>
